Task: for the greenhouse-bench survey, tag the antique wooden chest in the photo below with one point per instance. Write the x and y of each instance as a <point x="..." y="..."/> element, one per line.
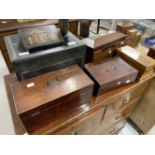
<point x="102" y="46"/>
<point x="140" y="61"/>
<point x="42" y="98"/>
<point x="111" y="73"/>
<point x="28" y="64"/>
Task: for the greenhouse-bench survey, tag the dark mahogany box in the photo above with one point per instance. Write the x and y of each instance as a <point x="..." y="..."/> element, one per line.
<point x="47" y="97"/>
<point x="110" y="74"/>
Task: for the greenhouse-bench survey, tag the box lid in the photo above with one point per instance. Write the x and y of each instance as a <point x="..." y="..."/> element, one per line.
<point x="41" y="37"/>
<point x="110" y="70"/>
<point x="136" y="57"/>
<point x="37" y="91"/>
<point x="101" y="40"/>
<point x="17" y="52"/>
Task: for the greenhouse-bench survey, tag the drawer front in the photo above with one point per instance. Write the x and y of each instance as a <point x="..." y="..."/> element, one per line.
<point x="131" y="107"/>
<point x="124" y="100"/>
<point x="85" y="126"/>
<point x="115" y="129"/>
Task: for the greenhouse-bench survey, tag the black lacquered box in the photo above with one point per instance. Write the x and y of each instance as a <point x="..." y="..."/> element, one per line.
<point x="28" y="64"/>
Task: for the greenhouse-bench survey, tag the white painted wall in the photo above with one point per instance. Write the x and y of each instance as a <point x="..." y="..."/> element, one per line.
<point x="6" y="124"/>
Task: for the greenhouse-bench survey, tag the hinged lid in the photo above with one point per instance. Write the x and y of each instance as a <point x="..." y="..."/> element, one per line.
<point x="37" y="91"/>
<point x="110" y="70"/>
<point x="104" y="40"/>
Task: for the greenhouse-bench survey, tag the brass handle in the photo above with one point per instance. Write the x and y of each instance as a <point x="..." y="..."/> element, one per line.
<point x="104" y="112"/>
<point x="126" y="98"/>
<point x="74" y="133"/>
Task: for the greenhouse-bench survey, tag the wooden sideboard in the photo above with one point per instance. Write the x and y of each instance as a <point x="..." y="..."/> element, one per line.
<point x="10" y="26"/>
<point x="106" y="114"/>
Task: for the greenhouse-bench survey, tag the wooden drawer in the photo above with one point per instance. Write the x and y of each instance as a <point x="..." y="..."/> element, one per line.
<point x="130" y="108"/>
<point x="125" y="99"/>
<point x="98" y="122"/>
<point x="115" y="129"/>
<point x="84" y="126"/>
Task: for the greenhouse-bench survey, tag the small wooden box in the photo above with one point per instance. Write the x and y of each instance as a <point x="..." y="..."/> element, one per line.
<point x="140" y="61"/>
<point x="133" y="40"/>
<point x="51" y="95"/>
<point x="124" y="26"/>
<point x="111" y="73"/>
<point x="102" y="46"/>
<point x="27" y="65"/>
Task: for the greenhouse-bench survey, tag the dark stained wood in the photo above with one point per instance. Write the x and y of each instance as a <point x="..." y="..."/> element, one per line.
<point x="102" y="46"/>
<point x="51" y="94"/>
<point x="151" y="53"/>
<point x="62" y="125"/>
<point x="140" y="61"/>
<point x="28" y="64"/>
<point x="18" y="124"/>
<point x="111" y="73"/>
<point x="10" y="26"/>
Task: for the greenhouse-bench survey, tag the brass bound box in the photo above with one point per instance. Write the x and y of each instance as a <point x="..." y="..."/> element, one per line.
<point x="40" y="37"/>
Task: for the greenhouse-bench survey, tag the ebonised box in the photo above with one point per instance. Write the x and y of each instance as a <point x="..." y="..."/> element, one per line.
<point x="27" y="64"/>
